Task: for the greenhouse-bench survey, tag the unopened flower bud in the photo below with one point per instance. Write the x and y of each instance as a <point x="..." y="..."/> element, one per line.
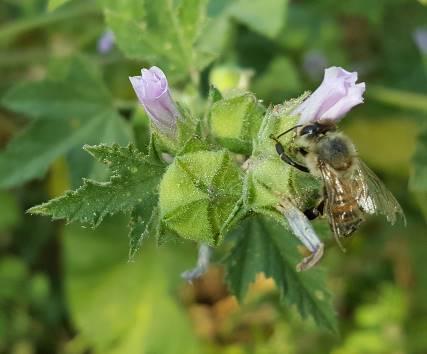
<point x="235" y="122"/>
<point x="197" y="194"/>
<point x="153" y="93"/>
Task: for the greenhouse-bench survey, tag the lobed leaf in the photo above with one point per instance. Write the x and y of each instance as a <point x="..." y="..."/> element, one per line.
<point x="265" y="247"/>
<point x="135" y="177"/>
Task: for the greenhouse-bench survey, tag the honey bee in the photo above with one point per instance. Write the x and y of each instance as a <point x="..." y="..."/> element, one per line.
<point x="351" y="190"/>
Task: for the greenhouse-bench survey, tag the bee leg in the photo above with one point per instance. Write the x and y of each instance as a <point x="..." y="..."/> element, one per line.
<point x="281" y="151"/>
<point x="313" y="213"/>
<point x="303" y="230"/>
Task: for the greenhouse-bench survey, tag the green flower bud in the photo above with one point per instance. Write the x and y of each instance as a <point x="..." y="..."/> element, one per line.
<point x="267" y="181"/>
<point x="268" y="178"/>
<point x="197" y="194"/>
<point x="235" y="122"/>
<point x="227" y="78"/>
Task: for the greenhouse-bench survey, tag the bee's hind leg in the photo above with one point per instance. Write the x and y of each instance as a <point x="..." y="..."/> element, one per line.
<point x="302" y="229"/>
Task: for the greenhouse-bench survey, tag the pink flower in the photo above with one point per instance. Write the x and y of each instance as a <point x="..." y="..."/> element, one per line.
<point x="337" y="94"/>
<point x="153" y="93"/>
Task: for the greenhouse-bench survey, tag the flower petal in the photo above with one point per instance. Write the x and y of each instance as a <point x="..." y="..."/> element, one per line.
<point x="153" y="93"/>
<point x="343" y="106"/>
<point x="336" y="95"/>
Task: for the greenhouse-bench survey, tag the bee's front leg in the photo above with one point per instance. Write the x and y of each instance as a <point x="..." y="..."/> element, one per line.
<point x="302" y="229"/>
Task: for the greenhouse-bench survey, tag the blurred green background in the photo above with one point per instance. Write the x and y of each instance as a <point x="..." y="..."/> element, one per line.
<point x="66" y="289"/>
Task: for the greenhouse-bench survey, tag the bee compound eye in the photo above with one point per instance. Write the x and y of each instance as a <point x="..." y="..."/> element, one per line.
<point x="307" y="130"/>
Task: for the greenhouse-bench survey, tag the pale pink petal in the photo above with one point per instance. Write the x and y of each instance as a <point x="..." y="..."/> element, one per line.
<point x="335" y="96"/>
<point x="153" y="93"/>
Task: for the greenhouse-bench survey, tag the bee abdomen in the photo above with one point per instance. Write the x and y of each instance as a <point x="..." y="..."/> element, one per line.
<point x="347" y="216"/>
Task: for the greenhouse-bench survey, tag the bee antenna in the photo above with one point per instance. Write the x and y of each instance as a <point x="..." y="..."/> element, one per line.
<point x="287" y="131"/>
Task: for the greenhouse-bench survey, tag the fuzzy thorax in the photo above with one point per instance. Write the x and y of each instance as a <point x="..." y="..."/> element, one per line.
<point x="334" y="148"/>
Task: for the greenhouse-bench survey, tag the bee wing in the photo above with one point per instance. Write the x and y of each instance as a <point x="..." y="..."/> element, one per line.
<point x="335" y="191"/>
<point x="373" y="196"/>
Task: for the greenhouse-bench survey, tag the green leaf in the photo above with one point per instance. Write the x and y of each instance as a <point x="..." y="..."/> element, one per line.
<point x="134" y="177"/>
<point x="263" y="16"/>
<point x="78" y="92"/>
<point x="264" y="247"/>
<point x="120" y="307"/>
<point x="143" y="223"/>
<point x="20" y="25"/>
<point x="267" y="86"/>
<point x="160" y="32"/>
<point x="54" y="4"/>
<point x="30" y="153"/>
<point x="73" y="109"/>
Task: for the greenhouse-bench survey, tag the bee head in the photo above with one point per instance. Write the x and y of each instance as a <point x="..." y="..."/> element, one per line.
<point x="316" y="129"/>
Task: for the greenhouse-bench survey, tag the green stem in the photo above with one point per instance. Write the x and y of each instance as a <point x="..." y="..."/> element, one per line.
<point x="398" y="98"/>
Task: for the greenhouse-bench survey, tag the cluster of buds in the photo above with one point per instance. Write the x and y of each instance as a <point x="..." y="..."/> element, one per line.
<point x="202" y="189"/>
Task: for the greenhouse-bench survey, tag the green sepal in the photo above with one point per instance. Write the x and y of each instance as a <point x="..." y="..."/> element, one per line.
<point x="235" y="121"/>
<point x="227" y="78"/>
<point x="268" y="179"/>
<point x="186" y="127"/>
<point x="198" y="192"/>
<point x="194" y="144"/>
<point x="277" y="120"/>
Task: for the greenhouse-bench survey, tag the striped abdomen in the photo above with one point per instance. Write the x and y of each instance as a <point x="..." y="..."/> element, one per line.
<point x="345" y="215"/>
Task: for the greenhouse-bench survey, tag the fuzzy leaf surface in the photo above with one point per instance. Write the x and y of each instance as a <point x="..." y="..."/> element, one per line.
<point x="134" y="177"/>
